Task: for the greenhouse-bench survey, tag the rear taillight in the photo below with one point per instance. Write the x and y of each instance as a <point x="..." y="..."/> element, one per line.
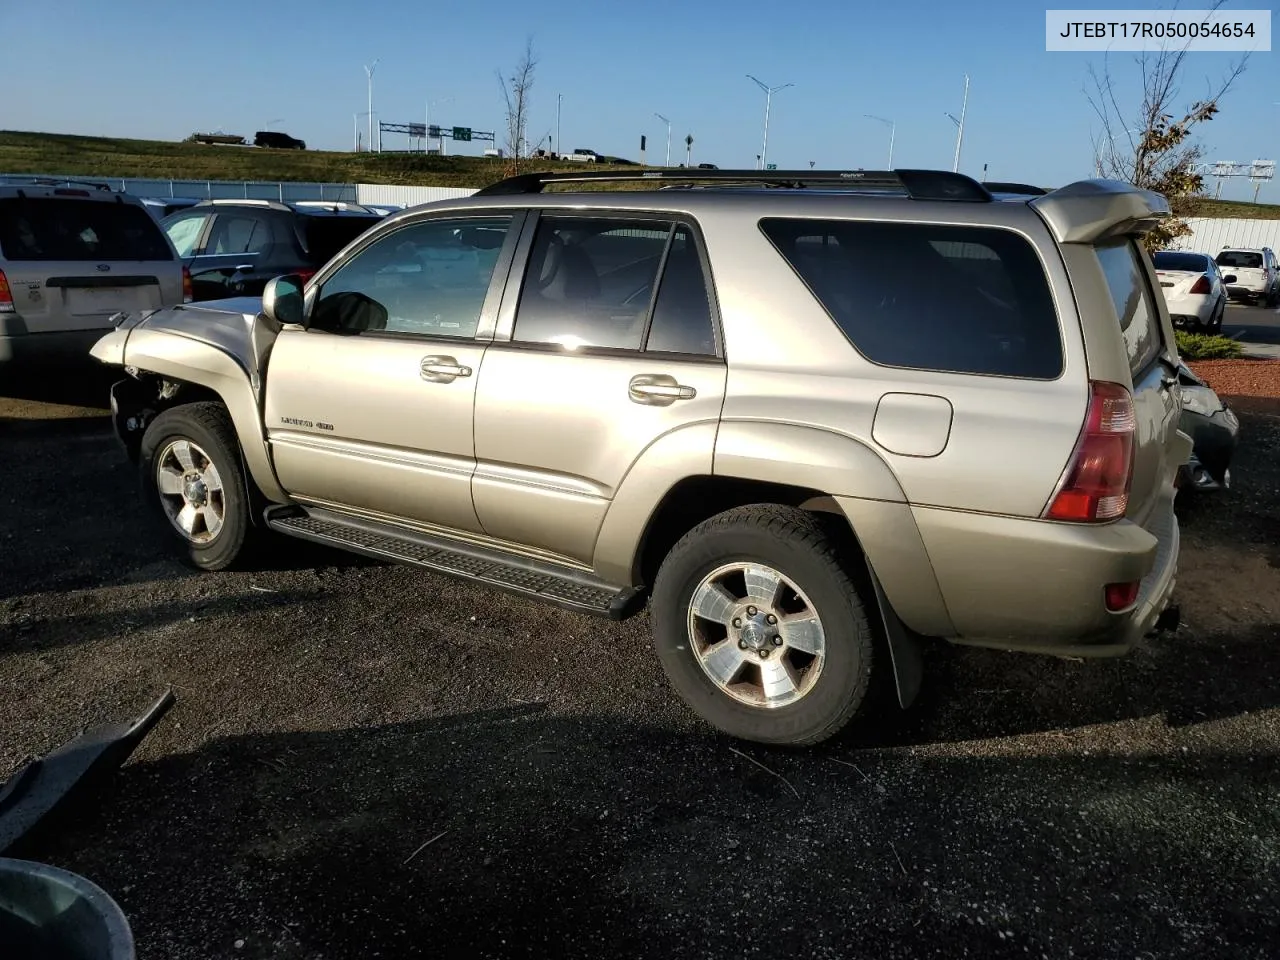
<point x="1121" y="596"/>
<point x="187" y="293"/>
<point x="1095" y="487"/>
<point x="6" y="297"/>
<point x="1200" y="286"/>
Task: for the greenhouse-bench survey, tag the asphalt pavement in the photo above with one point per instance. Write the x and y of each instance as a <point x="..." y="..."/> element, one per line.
<point x="1257" y="329"/>
<point x="367" y="760"/>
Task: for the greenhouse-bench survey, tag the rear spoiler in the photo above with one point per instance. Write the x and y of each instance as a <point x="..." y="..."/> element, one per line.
<point x="1089" y="211"/>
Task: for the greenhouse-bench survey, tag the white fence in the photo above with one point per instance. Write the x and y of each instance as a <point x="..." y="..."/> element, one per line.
<point x="1209" y="235"/>
<point x="408" y="196"/>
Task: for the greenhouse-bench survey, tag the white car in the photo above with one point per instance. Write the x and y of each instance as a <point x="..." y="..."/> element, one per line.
<point x="1193" y="288"/>
<point x="1257" y="274"/>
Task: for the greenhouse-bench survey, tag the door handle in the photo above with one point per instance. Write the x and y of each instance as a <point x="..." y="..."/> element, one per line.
<point x="442" y="369"/>
<point x="658" y="390"/>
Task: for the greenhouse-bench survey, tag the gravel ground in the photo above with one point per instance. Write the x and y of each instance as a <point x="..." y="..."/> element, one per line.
<point x="334" y="716"/>
<point x="1240" y="378"/>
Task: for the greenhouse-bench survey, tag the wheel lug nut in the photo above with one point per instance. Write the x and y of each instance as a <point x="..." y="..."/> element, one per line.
<point x="742" y="644"/>
<point x="737" y="623"/>
<point x="751" y="611"/>
<point x="771" y="618"/>
<point x="777" y="641"/>
<point x="765" y="653"/>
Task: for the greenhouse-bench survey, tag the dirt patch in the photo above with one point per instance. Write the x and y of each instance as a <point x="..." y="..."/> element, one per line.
<point x="1241" y="378"/>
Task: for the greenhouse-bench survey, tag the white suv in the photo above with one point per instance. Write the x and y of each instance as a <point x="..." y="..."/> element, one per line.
<point x="1257" y="274"/>
<point x="72" y="256"/>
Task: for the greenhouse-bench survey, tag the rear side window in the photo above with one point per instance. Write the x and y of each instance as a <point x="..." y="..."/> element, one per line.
<point x="323" y="237"/>
<point x="1239" y="258"/>
<point x="232" y="234"/>
<point x="1139" y="321"/>
<point x="36" y="228"/>
<point x="953" y="299"/>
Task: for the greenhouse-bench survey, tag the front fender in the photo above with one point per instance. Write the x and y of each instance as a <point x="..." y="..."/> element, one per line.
<point x="191" y="361"/>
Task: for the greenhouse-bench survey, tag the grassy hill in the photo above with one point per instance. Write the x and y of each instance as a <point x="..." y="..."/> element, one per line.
<point x="69" y="155"/>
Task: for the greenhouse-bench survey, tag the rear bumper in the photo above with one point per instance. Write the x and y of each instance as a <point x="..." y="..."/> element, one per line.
<point x="1038" y="586"/>
<point x="1186" y="311"/>
<point x="1248" y="288"/>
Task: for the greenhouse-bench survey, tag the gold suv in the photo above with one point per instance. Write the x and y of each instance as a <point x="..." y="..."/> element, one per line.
<point x="812" y="417"/>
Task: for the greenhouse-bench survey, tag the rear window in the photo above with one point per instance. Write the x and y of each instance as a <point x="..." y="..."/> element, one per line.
<point x="1166" y="260"/>
<point x="932" y="297"/>
<point x="1239" y="258"/>
<point x="38" y="228"/>
<point x="1139" y="320"/>
<point x="323" y="237"/>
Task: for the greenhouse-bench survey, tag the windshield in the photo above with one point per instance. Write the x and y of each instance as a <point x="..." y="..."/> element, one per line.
<point x="1239" y="258"/>
<point x="58" y="228"/>
<point x="1167" y="260"/>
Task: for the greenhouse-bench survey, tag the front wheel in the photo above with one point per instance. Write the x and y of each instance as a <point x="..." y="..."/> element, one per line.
<point x="760" y="628"/>
<point x="191" y="477"/>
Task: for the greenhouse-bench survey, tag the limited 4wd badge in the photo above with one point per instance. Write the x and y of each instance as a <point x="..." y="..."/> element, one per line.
<point x="314" y="425"/>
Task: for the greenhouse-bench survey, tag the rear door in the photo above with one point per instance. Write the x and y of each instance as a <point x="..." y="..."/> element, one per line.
<point x="72" y="262"/>
<point x="1157" y="406"/>
<point x="228" y="265"/>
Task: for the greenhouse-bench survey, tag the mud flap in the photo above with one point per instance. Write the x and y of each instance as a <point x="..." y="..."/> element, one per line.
<point x="48" y="785"/>
<point x="904" y="648"/>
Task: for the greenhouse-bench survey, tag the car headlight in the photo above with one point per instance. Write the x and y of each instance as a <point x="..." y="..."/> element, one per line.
<point x="1200" y="400"/>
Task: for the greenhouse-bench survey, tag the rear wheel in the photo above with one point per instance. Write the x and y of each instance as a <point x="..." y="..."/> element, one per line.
<point x="192" y="479"/>
<point x="760" y="628"/>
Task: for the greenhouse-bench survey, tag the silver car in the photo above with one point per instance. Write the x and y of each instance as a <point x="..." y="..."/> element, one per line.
<point x="72" y="256"/>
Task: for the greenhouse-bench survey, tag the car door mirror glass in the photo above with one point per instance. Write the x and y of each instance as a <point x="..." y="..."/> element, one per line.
<point x="282" y="299"/>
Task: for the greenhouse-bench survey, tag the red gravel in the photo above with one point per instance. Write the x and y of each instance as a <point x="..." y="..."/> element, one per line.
<point x="1241" y="378"/>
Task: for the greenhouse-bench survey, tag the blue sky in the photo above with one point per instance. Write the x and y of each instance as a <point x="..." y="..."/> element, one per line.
<point x="161" y="70"/>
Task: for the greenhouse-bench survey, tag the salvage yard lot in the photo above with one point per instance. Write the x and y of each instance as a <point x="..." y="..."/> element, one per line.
<point x="334" y="715"/>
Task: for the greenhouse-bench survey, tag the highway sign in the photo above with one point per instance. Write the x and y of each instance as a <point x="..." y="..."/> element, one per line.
<point x="462" y="133"/>
<point x="771" y="166"/>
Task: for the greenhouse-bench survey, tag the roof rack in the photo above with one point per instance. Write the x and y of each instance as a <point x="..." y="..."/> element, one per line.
<point x="918" y="184"/>
<point x="996" y="186"/>
<point x="42" y="181"/>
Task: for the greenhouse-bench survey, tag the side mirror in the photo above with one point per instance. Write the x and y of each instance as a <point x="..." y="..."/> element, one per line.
<point x="1229" y="278"/>
<point x="282" y="299"/>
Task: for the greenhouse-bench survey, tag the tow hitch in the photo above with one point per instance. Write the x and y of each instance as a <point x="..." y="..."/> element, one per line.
<point x="1168" y="620"/>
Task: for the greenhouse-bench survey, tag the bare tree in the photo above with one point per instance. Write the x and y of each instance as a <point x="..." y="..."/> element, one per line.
<point x="515" y="91"/>
<point x="1152" y="145"/>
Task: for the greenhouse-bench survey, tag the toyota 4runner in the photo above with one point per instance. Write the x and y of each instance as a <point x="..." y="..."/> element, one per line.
<point x="812" y="417"/>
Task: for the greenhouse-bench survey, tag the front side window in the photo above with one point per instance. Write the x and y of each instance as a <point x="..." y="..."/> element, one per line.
<point x="951" y="299"/>
<point x="430" y="278"/>
<point x="1139" y="320"/>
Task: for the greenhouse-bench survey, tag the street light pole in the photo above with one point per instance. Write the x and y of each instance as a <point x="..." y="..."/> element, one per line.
<point x="368" y="72"/>
<point x="893" y="128"/>
<point x="768" y="98"/>
<point x="668" y="123"/>
<point x="559" y="98"/>
<point x="955" y="165"/>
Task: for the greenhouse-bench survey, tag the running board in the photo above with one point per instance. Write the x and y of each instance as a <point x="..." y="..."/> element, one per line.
<point x="539" y="579"/>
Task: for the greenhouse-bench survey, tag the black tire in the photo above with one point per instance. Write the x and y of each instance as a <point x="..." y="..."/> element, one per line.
<point x="208" y="425"/>
<point x="795" y="544"/>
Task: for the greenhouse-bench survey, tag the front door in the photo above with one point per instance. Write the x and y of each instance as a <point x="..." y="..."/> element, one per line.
<point x="612" y="345"/>
<point x="370" y="407"/>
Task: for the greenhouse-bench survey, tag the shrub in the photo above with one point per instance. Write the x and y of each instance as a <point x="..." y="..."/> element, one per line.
<point x="1204" y="346"/>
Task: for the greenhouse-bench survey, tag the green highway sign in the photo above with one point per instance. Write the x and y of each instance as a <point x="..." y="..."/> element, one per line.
<point x="771" y="166"/>
<point x="462" y="133"/>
